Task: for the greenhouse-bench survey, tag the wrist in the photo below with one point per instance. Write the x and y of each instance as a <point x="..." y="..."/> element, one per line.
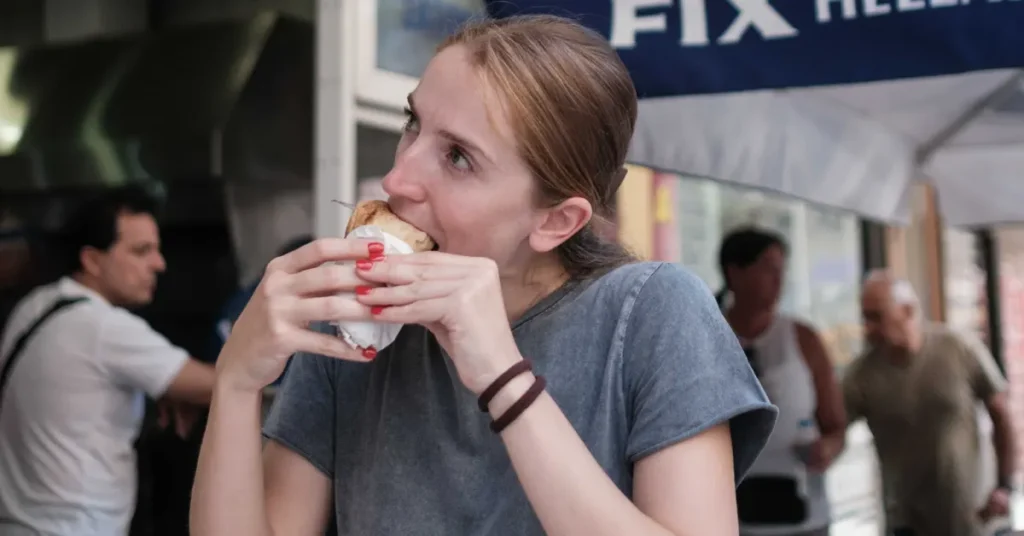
<point x="510" y="393"/>
<point x="225" y="387"/>
<point x="494" y="369"/>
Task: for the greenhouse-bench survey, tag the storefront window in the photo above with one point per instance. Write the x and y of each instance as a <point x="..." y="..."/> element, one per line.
<point x="823" y="276"/>
<point x="964" y="283"/>
<point x="408" y="31"/>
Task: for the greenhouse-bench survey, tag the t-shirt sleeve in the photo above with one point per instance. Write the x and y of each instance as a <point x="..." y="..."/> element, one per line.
<point x="686" y="373"/>
<point x="135" y="355"/>
<point x="302" y="417"/>
<point x="985" y="376"/>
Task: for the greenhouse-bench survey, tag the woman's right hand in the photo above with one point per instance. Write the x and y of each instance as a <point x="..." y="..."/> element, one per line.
<point x="297" y="289"/>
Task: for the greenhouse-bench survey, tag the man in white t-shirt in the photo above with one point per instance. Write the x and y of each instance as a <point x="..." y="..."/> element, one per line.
<point x="74" y="398"/>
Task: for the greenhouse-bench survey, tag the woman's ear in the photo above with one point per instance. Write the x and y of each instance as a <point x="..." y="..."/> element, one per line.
<point x="558" y="223"/>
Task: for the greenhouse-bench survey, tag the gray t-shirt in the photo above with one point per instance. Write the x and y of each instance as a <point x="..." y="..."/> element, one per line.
<point x="637" y="359"/>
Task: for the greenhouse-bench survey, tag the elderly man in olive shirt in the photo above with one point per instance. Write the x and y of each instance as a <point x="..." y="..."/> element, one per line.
<point x="918" y="386"/>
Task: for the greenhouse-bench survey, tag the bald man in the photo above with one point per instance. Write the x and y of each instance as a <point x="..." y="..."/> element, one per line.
<point x="917" y="385"/>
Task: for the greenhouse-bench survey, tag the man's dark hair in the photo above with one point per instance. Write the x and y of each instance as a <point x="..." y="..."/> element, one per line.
<point x="742" y="248"/>
<point x="94" y="222"/>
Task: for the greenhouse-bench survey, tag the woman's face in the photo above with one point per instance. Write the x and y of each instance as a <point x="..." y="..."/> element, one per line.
<point x="760" y="284"/>
<point x="459" y="177"/>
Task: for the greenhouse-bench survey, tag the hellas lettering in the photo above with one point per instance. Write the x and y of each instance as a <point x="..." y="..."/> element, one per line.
<point x="874" y="8"/>
<point x="758" y="15"/>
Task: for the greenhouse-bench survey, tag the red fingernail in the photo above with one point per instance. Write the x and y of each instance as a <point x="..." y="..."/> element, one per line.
<point x="363" y="291"/>
<point x="364" y="264"/>
<point x="376" y="310"/>
<point x="376" y="248"/>
<point x="376" y="258"/>
<point x="369" y="353"/>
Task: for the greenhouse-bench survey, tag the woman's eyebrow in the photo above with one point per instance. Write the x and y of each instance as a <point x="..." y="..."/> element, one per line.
<point x="453" y="137"/>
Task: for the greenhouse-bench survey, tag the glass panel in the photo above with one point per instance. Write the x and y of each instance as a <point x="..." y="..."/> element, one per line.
<point x="823" y="276"/>
<point x="408" y="31"/>
<point x="964" y="283"/>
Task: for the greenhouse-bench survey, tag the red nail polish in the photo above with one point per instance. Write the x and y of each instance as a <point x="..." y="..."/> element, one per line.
<point x="362" y="290"/>
<point x="376" y="310"/>
<point x="369" y="353"/>
<point x="376" y="248"/>
<point x="364" y="264"/>
<point x="375" y="258"/>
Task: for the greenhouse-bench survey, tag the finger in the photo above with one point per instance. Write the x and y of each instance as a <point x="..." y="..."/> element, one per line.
<point x="406" y="294"/>
<point x="328" y="308"/>
<point x="325" y="280"/>
<point x="315" y="343"/>
<point x="393" y="271"/>
<point x="418" y="312"/>
<point x="324" y="250"/>
<point x="183" y="426"/>
<point x="436" y="257"/>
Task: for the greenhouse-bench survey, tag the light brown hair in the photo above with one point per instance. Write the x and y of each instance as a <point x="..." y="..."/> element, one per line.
<point x="572" y="108"/>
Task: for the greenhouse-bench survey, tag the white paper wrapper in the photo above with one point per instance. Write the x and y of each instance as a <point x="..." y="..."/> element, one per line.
<point x="373" y="334"/>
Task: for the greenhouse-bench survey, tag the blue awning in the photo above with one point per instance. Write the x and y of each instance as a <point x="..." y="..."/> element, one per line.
<point x="840" y="102"/>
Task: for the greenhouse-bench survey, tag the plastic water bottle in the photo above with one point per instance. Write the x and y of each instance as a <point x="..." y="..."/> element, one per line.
<point x="806" y="435"/>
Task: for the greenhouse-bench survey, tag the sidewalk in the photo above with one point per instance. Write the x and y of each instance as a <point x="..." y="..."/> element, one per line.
<point x="855" y="489"/>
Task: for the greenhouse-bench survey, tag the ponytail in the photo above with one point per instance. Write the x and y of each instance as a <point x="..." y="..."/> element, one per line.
<point x="587" y="253"/>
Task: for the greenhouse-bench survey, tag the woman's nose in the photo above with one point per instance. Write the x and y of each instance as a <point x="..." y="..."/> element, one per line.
<point x="406" y="179"/>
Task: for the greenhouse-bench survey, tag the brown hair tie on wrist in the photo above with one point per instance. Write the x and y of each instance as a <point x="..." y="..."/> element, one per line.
<point x="502" y="381"/>
<point x="521" y="405"/>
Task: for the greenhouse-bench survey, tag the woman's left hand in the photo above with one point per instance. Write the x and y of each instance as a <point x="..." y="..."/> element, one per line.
<point x="457" y="298"/>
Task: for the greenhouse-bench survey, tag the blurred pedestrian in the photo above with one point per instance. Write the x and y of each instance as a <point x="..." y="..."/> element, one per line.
<point x="917" y="386"/>
<point x="784" y="493"/>
<point x="75" y="367"/>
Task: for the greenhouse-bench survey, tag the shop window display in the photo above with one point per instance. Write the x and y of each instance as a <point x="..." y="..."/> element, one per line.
<point x="964" y="283"/>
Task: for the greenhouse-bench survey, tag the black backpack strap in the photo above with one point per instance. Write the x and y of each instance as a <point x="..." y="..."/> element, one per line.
<point x="22" y="340"/>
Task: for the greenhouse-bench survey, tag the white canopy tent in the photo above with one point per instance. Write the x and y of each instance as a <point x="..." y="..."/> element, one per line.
<point x="855" y="146"/>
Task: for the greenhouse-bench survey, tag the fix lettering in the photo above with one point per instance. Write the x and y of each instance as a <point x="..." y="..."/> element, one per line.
<point x="757" y="15"/>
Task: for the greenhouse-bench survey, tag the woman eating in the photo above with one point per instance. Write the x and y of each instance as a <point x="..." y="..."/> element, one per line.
<point x="545" y="382"/>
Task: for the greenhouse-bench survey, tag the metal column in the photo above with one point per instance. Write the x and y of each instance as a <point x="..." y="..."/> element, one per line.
<point x="336" y="146"/>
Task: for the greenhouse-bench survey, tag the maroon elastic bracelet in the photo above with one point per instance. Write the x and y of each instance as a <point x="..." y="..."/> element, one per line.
<point x="521" y="405"/>
<point x="502" y="381"/>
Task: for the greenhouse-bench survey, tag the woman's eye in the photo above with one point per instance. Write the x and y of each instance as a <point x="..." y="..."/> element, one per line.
<point x="412" y="123"/>
<point x="458" y="159"/>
